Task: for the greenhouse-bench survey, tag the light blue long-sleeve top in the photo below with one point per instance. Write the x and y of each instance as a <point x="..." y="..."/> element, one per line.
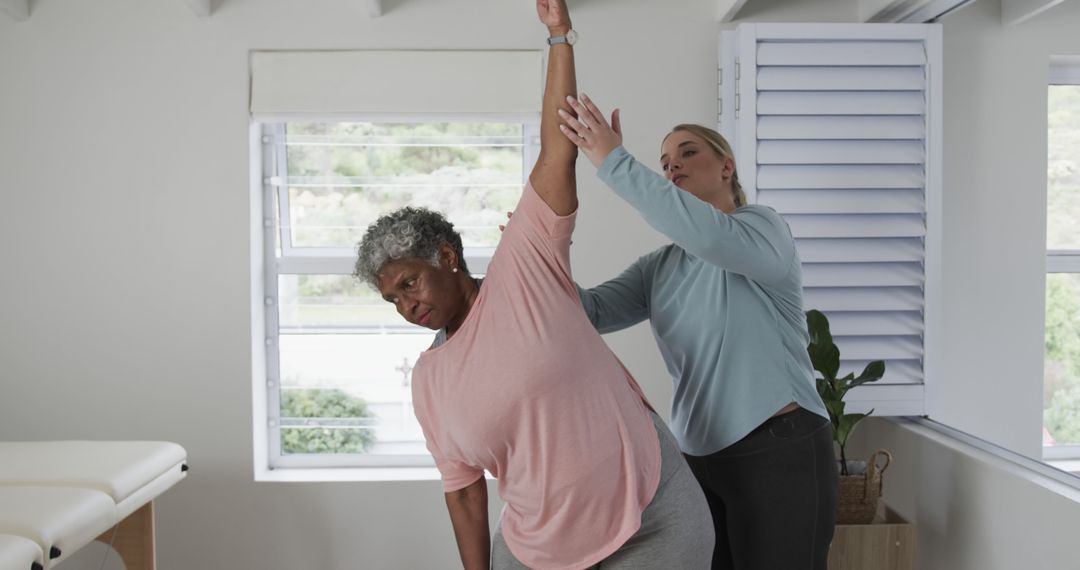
<point x="725" y="305"/>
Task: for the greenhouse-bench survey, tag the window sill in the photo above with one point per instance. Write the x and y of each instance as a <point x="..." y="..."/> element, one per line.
<point x="1067" y="465"/>
<point x="1045" y="474"/>
<point x="347" y="474"/>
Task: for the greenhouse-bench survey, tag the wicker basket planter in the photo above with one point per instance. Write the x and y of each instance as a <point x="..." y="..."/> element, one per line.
<point x="859" y="493"/>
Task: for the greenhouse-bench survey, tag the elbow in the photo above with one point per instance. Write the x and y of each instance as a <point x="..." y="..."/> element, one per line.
<point x="470" y="493"/>
<point x="765" y="269"/>
<point x="773" y="271"/>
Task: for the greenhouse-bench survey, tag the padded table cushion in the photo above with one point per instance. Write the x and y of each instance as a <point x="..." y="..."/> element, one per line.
<point x="59" y="517"/>
<point x="19" y="553"/>
<point x="119" y="469"/>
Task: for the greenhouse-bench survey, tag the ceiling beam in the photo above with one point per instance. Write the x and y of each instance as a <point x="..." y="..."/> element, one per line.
<point x="874" y="10"/>
<point x="374" y="8"/>
<point x="19" y="10"/>
<point x="202" y="8"/>
<point x="908" y="11"/>
<point x="728" y="9"/>
<point x="1017" y="11"/>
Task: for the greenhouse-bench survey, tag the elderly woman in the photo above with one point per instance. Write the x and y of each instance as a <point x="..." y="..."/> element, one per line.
<point x="520" y="384"/>
<point x="725" y="304"/>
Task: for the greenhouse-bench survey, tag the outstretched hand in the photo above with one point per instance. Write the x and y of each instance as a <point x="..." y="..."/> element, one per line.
<point x="554" y="15"/>
<point x="590" y="131"/>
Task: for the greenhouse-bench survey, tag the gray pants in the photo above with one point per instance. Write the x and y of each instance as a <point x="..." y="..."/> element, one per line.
<point x="676" y="528"/>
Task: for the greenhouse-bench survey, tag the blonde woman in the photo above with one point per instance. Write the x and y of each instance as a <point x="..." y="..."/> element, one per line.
<point x="725" y="304"/>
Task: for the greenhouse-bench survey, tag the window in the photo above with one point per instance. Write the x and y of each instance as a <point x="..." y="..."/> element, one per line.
<point x="339" y="357"/>
<point x="339" y="138"/>
<point x="1061" y="394"/>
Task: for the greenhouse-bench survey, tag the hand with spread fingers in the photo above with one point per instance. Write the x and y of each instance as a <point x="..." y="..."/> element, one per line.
<point x="590" y="131"/>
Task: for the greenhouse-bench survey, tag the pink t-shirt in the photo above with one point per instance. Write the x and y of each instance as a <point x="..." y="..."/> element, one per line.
<point x="527" y="390"/>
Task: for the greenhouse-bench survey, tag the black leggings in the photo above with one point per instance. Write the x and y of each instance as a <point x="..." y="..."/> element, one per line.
<point x="773" y="495"/>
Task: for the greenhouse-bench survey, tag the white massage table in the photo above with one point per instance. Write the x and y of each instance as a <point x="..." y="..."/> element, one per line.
<point x="19" y="552"/>
<point x="58" y="496"/>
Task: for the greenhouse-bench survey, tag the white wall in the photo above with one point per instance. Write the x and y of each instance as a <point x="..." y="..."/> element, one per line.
<point x="972" y="510"/>
<point x="995" y="221"/>
<point x="798" y="11"/>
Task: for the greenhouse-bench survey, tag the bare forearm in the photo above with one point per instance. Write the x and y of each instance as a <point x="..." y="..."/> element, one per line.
<point x="468" y="513"/>
<point x="561" y="81"/>
<point x="553" y="177"/>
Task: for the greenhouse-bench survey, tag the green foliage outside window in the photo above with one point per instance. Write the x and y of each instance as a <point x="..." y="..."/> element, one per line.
<point x="323" y="403"/>
<point x="1061" y="396"/>
<point x="471" y="172"/>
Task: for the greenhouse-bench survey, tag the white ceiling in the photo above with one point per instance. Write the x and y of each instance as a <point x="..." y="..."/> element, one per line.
<point x="20" y="10"/>
<point x="915" y="11"/>
<point x="908" y="11"/>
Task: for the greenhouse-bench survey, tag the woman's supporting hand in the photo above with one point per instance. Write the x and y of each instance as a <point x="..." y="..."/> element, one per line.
<point x="590" y="131"/>
<point x="554" y="15"/>
<point x="502" y="227"/>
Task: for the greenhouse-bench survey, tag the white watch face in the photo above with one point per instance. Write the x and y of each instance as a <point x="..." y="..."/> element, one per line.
<point x="571" y="37"/>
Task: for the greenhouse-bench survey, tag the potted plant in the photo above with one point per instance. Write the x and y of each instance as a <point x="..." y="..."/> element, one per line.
<point x="860" y="490"/>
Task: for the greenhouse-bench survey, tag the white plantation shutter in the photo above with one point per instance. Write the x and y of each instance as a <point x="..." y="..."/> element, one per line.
<point x="837" y="127"/>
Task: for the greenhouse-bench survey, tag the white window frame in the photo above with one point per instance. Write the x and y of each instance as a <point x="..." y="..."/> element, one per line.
<point x="270" y="464"/>
<point x="1063" y="71"/>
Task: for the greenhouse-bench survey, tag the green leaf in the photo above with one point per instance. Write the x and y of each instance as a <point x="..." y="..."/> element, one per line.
<point x="836" y="409"/>
<point x="872" y="373"/>
<point x="830" y="361"/>
<point x="817" y="324"/>
<point x="847" y="425"/>
<point x="826" y="391"/>
<point x="825" y="358"/>
<point x="818" y="357"/>
<point x="841" y="386"/>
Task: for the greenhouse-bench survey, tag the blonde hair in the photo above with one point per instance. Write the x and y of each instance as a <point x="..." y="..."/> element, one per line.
<point x="720" y="146"/>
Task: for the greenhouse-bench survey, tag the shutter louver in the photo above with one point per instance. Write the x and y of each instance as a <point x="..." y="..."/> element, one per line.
<point x="834" y="128"/>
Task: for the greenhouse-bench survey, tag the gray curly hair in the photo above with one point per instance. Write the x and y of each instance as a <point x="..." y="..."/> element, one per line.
<point x="407" y="233"/>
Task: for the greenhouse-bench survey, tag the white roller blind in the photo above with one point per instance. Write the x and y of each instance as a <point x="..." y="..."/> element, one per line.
<point x="449" y="83"/>
<point x="836" y="126"/>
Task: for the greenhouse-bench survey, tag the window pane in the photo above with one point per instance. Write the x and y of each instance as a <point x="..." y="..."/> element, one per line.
<point x="1063" y="172"/>
<point x="1061" y="396"/>
<point x="334" y="302"/>
<point x="350" y="393"/>
<point x="341" y="177"/>
<point x="344" y="355"/>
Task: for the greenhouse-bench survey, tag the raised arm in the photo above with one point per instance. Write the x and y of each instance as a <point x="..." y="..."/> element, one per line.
<point x="553" y="177"/>
<point x="753" y="241"/>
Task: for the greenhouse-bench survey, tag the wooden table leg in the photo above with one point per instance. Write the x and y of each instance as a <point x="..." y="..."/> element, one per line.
<point x="134" y="539"/>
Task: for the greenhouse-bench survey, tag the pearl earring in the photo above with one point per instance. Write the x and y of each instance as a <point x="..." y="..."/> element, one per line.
<point x="454" y="270"/>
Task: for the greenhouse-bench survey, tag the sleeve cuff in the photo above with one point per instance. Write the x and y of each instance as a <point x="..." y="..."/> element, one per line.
<point x="460" y="482"/>
<point x="613" y="160"/>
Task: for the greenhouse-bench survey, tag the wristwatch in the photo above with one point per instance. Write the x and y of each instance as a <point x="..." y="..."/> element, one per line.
<point x="570" y="39"/>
